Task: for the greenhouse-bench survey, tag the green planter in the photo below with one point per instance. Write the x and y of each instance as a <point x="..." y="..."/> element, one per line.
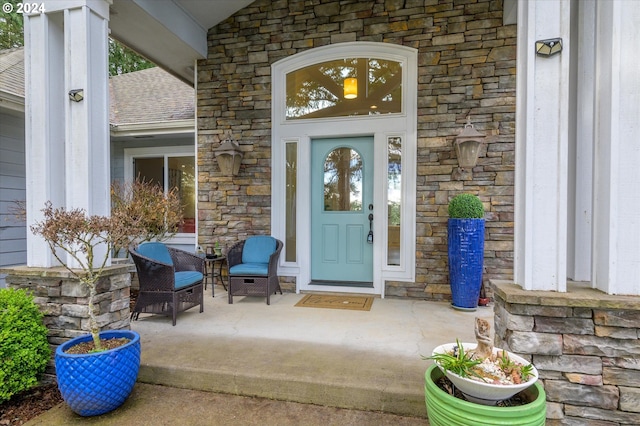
<point x="446" y="410"/>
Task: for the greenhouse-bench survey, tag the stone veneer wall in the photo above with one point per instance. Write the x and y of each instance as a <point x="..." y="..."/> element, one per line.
<point x="64" y="300"/>
<point x="466" y="60"/>
<point x="585" y="345"/>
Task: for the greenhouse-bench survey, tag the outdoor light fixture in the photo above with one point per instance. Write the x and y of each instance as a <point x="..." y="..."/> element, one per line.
<point x="76" y="95"/>
<point x="548" y="47"/>
<point x="468" y="145"/>
<point x="350" y="88"/>
<point x="229" y="157"/>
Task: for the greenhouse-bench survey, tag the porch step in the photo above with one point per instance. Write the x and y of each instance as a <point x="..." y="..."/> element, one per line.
<point x="365" y="360"/>
<point x="312" y="373"/>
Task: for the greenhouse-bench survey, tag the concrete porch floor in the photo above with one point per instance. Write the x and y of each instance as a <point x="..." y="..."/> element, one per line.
<point x="367" y="360"/>
<point x="362" y="360"/>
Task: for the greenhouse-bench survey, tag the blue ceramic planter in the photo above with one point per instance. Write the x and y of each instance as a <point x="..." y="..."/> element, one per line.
<point x="466" y="256"/>
<point x="97" y="383"/>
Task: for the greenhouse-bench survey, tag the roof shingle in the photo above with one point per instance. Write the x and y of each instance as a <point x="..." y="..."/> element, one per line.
<point x="12" y="71"/>
<point x="150" y="95"/>
<point x="146" y="96"/>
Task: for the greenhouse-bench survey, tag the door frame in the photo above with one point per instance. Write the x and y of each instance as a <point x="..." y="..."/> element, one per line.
<point x="381" y="127"/>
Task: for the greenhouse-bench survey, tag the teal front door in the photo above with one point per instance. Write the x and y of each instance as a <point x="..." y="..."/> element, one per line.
<point x="341" y="202"/>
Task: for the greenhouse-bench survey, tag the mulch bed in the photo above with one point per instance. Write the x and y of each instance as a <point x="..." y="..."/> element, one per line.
<point x="29" y="404"/>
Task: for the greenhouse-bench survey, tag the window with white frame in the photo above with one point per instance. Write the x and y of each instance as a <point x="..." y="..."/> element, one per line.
<point x="173" y="168"/>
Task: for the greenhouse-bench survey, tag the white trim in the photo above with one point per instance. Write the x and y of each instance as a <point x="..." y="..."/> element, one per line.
<point x="172" y="127"/>
<point x="279" y="181"/>
<point x="165" y="151"/>
<point x="195" y="149"/>
<point x="406" y="270"/>
<point x="11" y="102"/>
<point x="380" y="127"/>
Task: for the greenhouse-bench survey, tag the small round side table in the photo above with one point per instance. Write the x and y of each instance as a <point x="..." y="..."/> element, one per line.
<point x="210" y="271"/>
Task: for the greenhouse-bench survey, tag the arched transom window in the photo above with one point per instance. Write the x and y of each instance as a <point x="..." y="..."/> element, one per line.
<point x="344" y="87"/>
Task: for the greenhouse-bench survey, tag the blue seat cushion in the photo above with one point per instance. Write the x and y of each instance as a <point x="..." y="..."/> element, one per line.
<point x="186" y="278"/>
<point x="156" y="251"/>
<point x="249" y="269"/>
<point x="258" y="249"/>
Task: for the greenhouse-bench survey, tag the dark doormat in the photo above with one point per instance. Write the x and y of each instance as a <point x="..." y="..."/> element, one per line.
<point x="355" y="303"/>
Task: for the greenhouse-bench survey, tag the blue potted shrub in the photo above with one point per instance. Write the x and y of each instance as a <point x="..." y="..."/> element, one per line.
<point x="466" y="250"/>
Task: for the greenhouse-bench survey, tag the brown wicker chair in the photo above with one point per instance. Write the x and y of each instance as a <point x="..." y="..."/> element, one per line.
<point x="170" y="280"/>
<point x="253" y="267"/>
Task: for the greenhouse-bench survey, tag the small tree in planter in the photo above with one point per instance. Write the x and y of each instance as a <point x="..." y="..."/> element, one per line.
<point x="87" y="240"/>
<point x="99" y="377"/>
<point x="466" y="250"/>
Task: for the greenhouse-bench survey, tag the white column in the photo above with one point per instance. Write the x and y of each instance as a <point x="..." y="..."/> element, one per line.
<point x="44" y="124"/>
<point x="581" y="142"/>
<point x="616" y="248"/>
<point x="87" y="124"/>
<point x="540" y="256"/>
<point x="67" y="143"/>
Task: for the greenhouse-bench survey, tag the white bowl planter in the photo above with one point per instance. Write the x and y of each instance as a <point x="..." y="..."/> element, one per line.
<point x="480" y="392"/>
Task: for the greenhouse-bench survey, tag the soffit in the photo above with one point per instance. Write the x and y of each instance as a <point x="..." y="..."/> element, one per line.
<point x="171" y="33"/>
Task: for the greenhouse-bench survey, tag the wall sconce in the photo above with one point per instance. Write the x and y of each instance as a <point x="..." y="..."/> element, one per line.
<point x="350" y="88"/>
<point x="468" y="145"/>
<point x="76" y="95"/>
<point x="548" y="47"/>
<point x="229" y="157"/>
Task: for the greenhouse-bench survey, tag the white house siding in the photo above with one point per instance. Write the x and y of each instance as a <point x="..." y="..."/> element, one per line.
<point x="12" y="188"/>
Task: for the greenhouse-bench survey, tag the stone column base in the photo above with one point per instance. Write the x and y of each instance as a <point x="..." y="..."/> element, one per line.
<point x="585" y="345"/>
<point x="64" y="300"/>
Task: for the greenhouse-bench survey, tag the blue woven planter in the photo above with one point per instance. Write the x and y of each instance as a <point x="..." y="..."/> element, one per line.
<point x="97" y="383"/>
<point x="466" y="256"/>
